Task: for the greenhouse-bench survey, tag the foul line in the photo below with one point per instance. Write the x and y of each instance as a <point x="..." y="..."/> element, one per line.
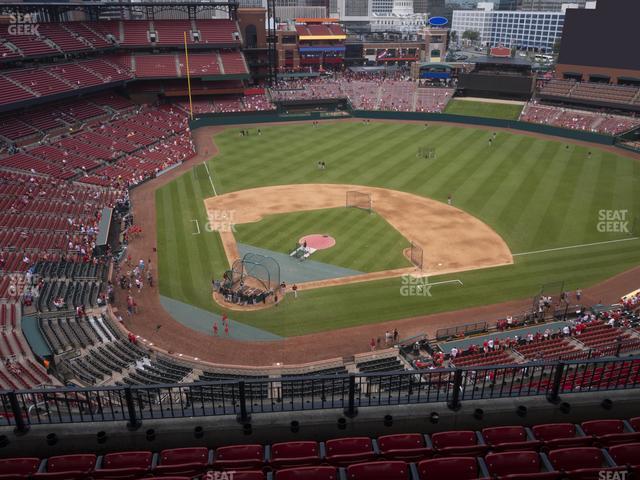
<point x="446" y="281"/>
<point x="575" y="246"/>
<point x="210" y="181"/>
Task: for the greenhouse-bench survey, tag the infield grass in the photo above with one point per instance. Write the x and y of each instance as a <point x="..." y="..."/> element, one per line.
<point x="536" y="193"/>
<point x="484" y="109"/>
<point x="364" y="242"/>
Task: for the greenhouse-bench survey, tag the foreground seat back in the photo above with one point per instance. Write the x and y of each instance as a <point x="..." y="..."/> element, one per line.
<point x="404" y="446"/>
<point x="626" y="454"/>
<point x="239" y="456"/>
<point x="599" y="428"/>
<point x="457" y="443"/>
<point x="576" y="458"/>
<point x="560" y="435"/>
<point x="610" y="432"/>
<point x="458" y="468"/>
<point x="177" y="456"/>
<point x="509" y="438"/>
<point x="554" y="431"/>
<point x="295" y="454"/>
<point x="323" y="472"/>
<point x="19" y="466"/>
<point x="68" y="463"/>
<point x="505" y="463"/>
<point x="343" y="451"/>
<point x="127" y="460"/>
<point x="387" y="470"/>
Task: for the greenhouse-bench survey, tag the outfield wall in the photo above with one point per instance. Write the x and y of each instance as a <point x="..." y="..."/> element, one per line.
<point x="263" y="117"/>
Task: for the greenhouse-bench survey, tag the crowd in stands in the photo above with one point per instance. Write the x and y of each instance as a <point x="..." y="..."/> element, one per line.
<point x="366" y="92"/>
<point x="595" y="122"/>
<point x="118" y="151"/>
<point x="227" y="104"/>
<point x="50" y="39"/>
<point x="589" y="335"/>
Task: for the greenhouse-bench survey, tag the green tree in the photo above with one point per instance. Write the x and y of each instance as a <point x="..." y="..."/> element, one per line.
<point x="471" y="35"/>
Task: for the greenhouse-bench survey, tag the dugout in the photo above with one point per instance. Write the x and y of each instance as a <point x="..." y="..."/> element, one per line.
<point x="497" y="77"/>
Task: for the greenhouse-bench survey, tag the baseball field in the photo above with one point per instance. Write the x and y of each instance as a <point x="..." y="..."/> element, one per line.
<point x="566" y="212"/>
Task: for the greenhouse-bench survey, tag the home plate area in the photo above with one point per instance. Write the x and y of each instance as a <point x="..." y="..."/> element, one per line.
<point x="310" y="244"/>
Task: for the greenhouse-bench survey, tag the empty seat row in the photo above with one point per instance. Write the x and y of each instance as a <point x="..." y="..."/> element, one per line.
<point x="185" y="463"/>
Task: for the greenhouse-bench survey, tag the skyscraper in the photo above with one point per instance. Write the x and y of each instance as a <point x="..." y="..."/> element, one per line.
<point x="546" y="5"/>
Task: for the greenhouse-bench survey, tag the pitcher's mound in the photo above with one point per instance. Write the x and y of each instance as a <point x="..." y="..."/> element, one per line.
<point x="317" y="241"/>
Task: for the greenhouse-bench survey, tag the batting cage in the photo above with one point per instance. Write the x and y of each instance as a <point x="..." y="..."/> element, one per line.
<point x="252" y="268"/>
<point x="416" y="255"/>
<point x="359" y="200"/>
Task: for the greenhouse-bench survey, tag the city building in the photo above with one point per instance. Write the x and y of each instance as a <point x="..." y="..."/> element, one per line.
<point x="546" y="5"/>
<point x="537" y="31"/>
<point x="402" y="19"/>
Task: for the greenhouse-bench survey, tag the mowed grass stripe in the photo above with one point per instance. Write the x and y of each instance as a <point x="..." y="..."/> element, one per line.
<point x="513" y="227"/>
<point x="540" y="202"/>
<point x="504" y="182"/>
<point x="488" y="175"/>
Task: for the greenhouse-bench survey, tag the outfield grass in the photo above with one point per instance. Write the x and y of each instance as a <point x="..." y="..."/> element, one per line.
<point x="484" y="109"/>
<point x="536" y="193"/>
<point x="364" y="242"/>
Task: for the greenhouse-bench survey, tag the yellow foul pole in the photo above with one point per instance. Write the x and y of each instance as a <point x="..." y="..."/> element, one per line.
<point x="186" y="55"/>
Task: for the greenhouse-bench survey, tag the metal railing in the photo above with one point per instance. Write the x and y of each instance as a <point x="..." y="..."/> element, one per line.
<point x="245" y="397"/>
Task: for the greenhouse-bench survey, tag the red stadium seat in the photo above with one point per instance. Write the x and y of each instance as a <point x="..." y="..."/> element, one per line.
<point x="344" y="451"/>
<point x="635" y="423"/>
<point x="247" y="457"/>
<point x="626" y="454"/>
<point x="13" y="468"/>
<point x="124" y="465"/>
<point x="323" y="472"/>
<point x="167" y="478"/>
<point x="560" y="435"/>
<point x="458" y="468"/>
<point x="68" y="467"/>
<point x="509" y="438"/>
<point x="609" y="432"/>
<point x="294" y="454"/>
<point x="183" y="461"/>
<point x="392" y="470"/>
<point x="404" y="446"/>
<point x="520" y="465"/>
<point x="457" y="443"/>
<point x="580" y="463"/>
